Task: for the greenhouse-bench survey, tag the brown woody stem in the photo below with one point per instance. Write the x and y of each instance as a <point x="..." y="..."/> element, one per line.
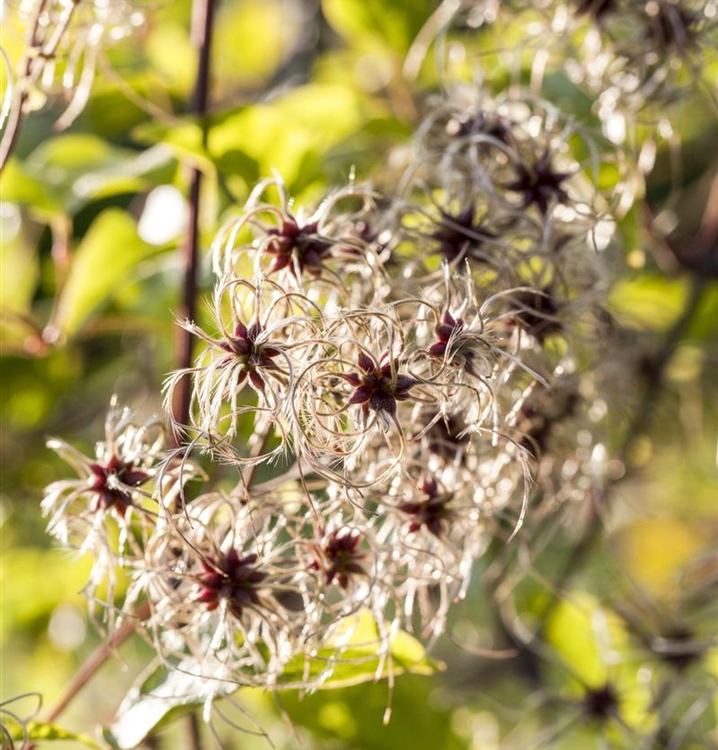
<point x="202" y="21"/>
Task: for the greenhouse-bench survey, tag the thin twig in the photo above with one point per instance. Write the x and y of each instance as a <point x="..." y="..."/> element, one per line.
<point x="12" y="129"/>
<point x="96" y="659"/>
<point x="61" y="231"/>
<point x="193" y="730"/>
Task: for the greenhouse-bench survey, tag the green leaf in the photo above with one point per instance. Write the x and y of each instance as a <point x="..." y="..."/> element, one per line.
<point x="40" y="730"/>
<point x="171" y="55"/>
<point x="156" y="700"/>
<point x="54" y="178"/>
<point x="20" y="272"/>
<point x="293" y="133"/>
<point x="107" y="253"/>
<point x="135" y="173"/>
<point x="110" y="113"/>
<point x="704" y="324"/>
<point x="20" y="187"/>
<point x="265" y="36"/>
<point x="184" y="138"/>
<point x="569" y="97"/>
<point x="582" y="633"/>
<point x="376" y="23"/>
<point x="649" y="301"/>
<point x="352" y="717"/>
<point x="149" y="704"/>
<point x="359" y="662"/>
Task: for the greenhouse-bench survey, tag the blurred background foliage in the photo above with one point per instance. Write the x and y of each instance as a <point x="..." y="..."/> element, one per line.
<point x="91" y="219"/>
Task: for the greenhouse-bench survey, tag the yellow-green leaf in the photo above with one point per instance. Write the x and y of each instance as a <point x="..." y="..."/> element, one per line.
<point x="40" y="730"/>
<point x="649" y="301"/>
<point x="104" y="258"/>
<point x="582" y="633"/>
<point x="157" y="699"/>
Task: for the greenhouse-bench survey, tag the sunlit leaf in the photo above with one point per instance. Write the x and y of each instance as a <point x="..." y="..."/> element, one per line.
<point x="294" y="133"/>
<point x="61" y="165"/>
<point x="704" y="324"/>
<point x="581" y="632"/>
<point x="150" y="704"/>
<point x="266" y="37"/>
<point x="133" y="174"/>
<point x="291" y="136"/>
<point x="107" y="253"/>
<point x="184" y="138"/>
<point x="20" y="187"/>
<point x="42" y="731"/>
<point x="654" y="551"/>
<point x="158" y="699"/>
<point x="353" y="716"/>
<point x="376" y="23"/>
<point x="19" y="273"/>
<point x="649" y="301"/>
<point x="359" y="662"/>
<point x="171" y="54"/>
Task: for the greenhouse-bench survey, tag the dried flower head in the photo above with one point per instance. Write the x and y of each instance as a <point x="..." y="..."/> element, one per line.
<point x="263" y="331"/>
<point x="108" y="511"/>
<point x="65" y="40"/>
<point x="408" y="368"/>
<point x="339" y="556"/>
<point x="112" y="482"/>
<point x="327" y="250"/>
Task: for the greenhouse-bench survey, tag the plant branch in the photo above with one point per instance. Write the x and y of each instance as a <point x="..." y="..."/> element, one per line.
<point x="193" y="731"/>
<point x="37" y="53"/>
<point x="12" y="128"/>
<point x="96" y="659"/>
<point x="202" y="21"/>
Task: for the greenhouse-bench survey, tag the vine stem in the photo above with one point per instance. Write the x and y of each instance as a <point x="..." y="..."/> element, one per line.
<point x="36" y="54"/>
<point x="96" y="659"/>
<point x="12" y="127"/>
<point x="201" y="31"/>
<point x="202" y="23"/>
